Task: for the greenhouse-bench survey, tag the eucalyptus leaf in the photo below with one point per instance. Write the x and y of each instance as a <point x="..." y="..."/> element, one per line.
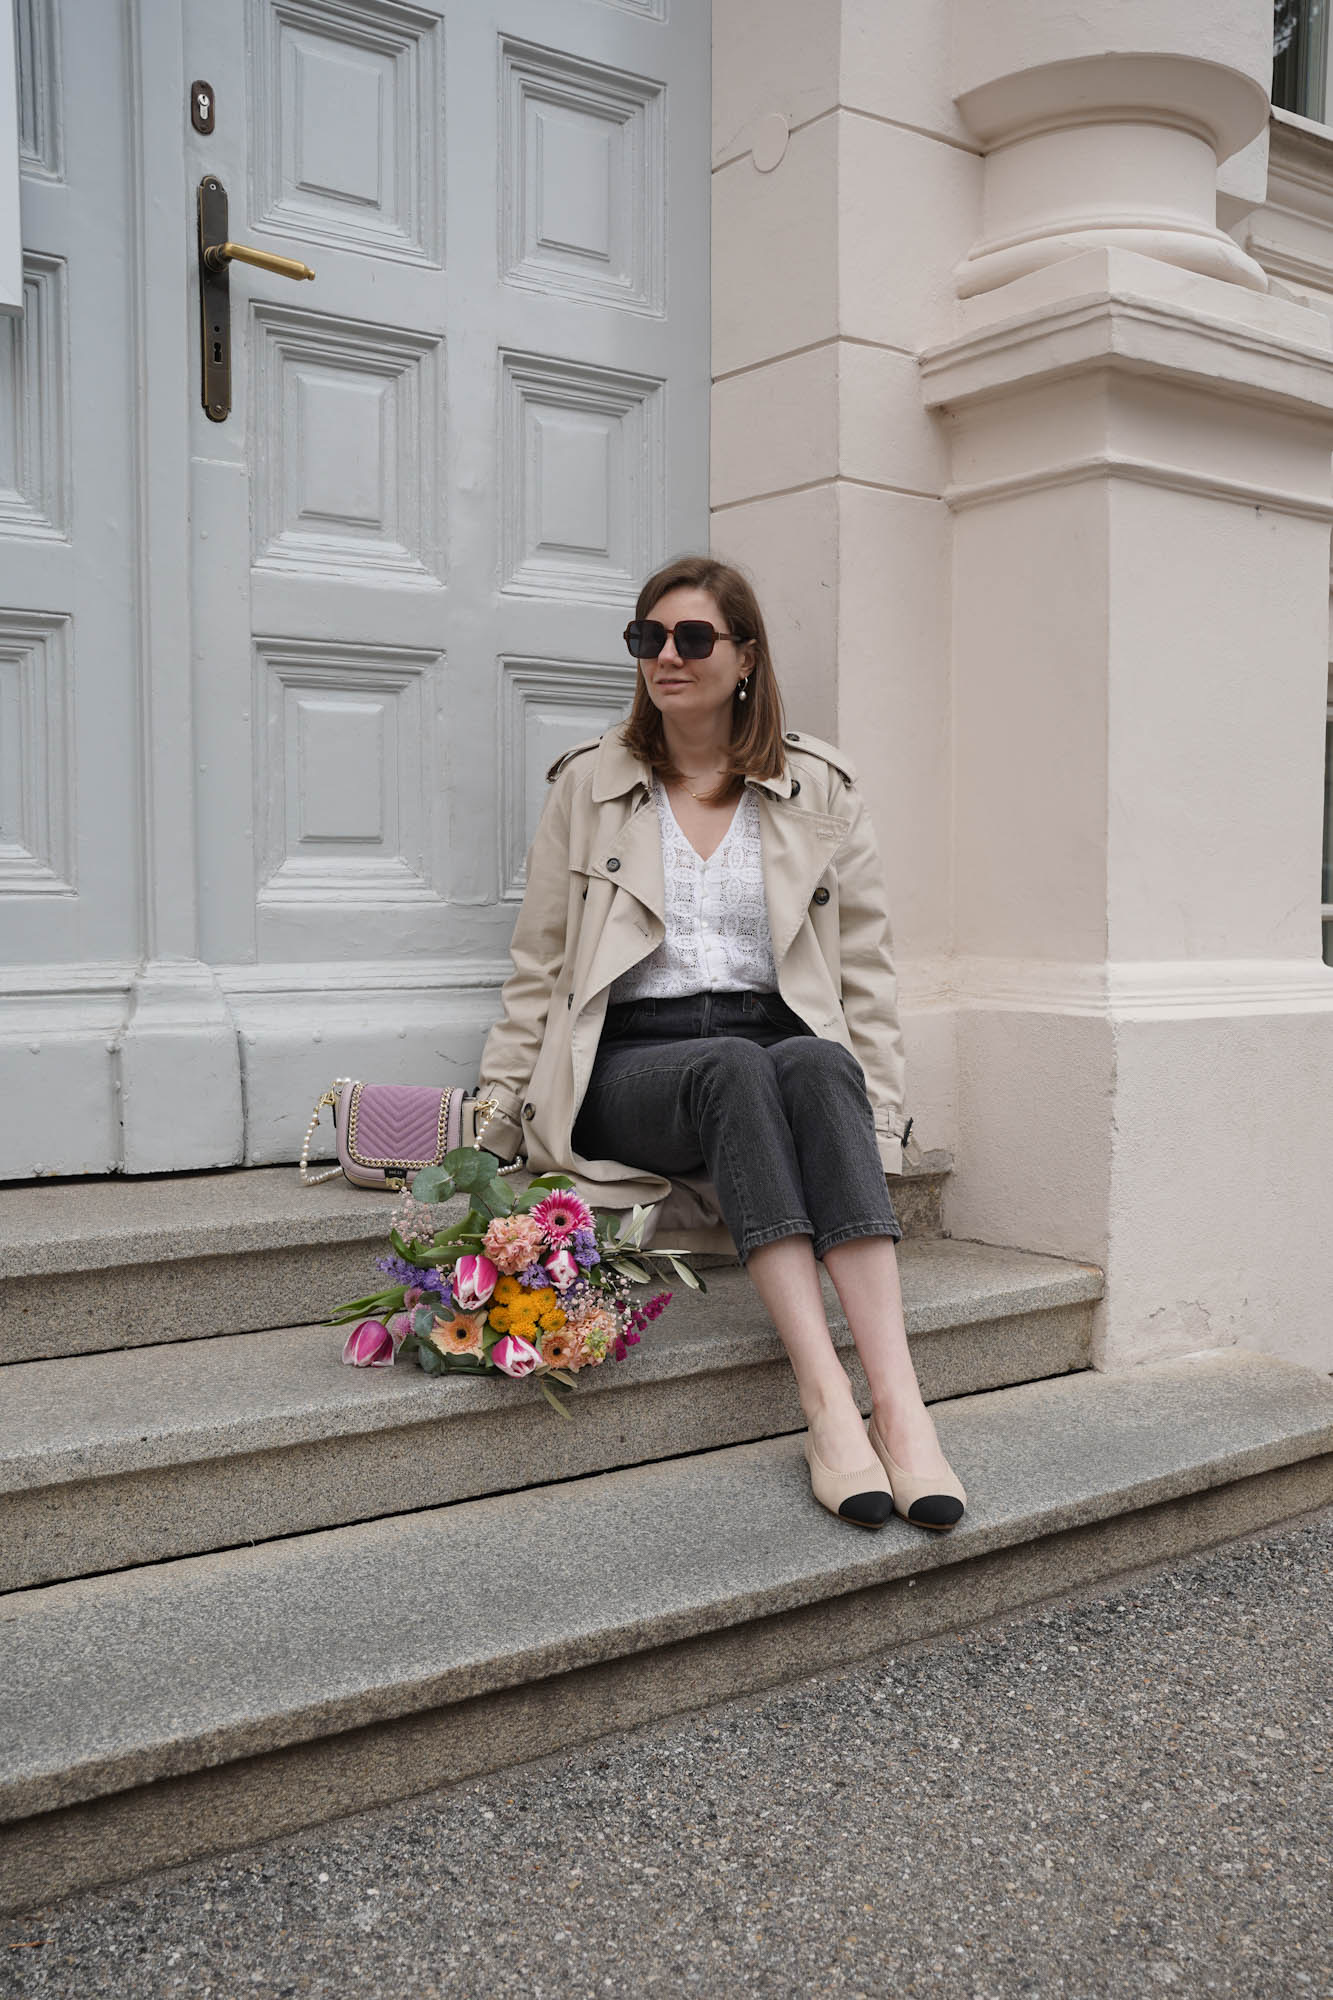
<point x="552" y="1398"/>
<point x="434" y="1184"/>
<point x="471" y="1170"/>
<point x="538" y="1189"/>
<point x="629" y="1269"/>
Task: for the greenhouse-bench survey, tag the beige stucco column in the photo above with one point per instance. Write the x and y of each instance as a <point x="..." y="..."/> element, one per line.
<point x="1140" y="491"/>
<point x="1032" y="466"/>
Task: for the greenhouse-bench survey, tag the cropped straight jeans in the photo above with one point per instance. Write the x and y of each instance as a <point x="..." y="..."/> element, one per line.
<point x="736" y="1087"/>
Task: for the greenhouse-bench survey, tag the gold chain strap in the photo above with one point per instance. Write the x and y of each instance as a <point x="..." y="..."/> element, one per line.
<point x="330" y="1097"/>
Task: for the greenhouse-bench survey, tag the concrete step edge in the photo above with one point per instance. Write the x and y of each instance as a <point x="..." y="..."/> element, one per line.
<point x="73" y="1418"/>
<point x="593" y="1570"/>
<point x="84" y="1226"/>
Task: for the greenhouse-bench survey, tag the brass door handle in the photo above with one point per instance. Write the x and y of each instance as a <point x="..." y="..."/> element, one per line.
<point x="218" y="255"/>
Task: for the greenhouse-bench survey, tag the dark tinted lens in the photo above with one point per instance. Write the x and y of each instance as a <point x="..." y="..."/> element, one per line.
<point x="645" y="638"/>
<point x="694" y="638"/>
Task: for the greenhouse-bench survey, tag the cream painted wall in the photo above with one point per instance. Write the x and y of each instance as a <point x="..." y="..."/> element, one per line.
<point x="1031" y="462"/>
<point x="827" y="469"/>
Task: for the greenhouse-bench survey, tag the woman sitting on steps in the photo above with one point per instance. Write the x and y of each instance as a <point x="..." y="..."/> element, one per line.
<point x="703" y="986"/>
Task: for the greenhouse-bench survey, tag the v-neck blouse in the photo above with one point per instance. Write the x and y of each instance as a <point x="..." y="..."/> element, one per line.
<point x="717" y="932"/>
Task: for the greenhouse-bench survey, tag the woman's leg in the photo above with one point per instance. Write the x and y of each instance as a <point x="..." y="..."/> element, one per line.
<point x="865" y="1276"/>
<point x="786" y="1277"/>
<point x="823" y="1092"/>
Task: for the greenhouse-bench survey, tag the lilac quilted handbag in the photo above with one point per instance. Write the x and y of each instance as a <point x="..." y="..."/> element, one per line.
<point x="388" y="1131"/>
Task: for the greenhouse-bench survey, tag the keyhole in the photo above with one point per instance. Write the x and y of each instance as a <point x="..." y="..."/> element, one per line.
<point x="204" y="102"/>
<point x="217" y="352"/>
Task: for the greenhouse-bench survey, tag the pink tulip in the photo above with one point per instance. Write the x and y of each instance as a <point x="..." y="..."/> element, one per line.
<point x="475" y="1278"/>
<point x="515" y="1356"/>
<point x="371" y="1345"/>
<point x="562" y="1268"/>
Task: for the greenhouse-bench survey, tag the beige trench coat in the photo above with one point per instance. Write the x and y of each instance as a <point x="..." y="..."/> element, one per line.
<point x="594" y="906"/>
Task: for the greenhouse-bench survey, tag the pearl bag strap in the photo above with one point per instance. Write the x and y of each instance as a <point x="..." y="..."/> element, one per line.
<point x="330" y="1097"/>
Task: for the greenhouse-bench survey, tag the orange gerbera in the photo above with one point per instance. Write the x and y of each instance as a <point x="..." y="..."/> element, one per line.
<point x="461" y="1334"/>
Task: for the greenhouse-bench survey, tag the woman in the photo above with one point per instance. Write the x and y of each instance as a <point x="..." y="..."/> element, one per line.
<point x="703" y="998"/>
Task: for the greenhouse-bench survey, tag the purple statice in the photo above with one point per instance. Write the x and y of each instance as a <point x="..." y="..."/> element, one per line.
<point x="534" y="1277"/>
<point x="584" y="1245"/>
<point x="414" y="1274"/>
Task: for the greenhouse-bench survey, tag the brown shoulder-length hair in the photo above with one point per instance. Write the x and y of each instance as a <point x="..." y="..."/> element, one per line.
<point x="757" y="722"/>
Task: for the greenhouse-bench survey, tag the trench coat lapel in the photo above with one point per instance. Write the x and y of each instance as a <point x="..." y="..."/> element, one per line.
<point x="630" y="861"/>
<point x="797" y="846"/>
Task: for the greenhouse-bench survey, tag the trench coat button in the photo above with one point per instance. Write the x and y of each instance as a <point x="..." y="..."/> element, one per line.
<point x="793" y="736"/>
<point x="569" y="999"/>
<point x="529" y="1111"/>
<point x="612" y="865"/>
<point x="821" y="896"/>
<point x="795" y="787"/>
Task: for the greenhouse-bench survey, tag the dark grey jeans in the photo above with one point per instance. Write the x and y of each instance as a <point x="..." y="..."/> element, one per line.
<point x="736" y="1087"/>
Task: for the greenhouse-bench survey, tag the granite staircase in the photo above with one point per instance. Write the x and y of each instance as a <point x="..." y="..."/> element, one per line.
<point x="244" y="1589"/>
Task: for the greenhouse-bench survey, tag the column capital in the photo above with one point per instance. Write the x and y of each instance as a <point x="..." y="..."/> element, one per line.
<point x="1103" y="127"/>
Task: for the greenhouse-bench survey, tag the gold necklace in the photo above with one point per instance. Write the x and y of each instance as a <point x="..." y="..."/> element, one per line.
<point x="698" y="795"/>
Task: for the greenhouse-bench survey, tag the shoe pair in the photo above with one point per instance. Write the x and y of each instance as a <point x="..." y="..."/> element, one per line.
<point x="864" y="1496"/>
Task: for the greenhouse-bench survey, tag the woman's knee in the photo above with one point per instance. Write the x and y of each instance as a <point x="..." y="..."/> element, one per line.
<point x="808" y="1062"/>
<point x="730" y="1062"/>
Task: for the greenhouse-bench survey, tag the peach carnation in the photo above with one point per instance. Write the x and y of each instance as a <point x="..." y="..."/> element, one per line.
<point x="596" y="1327"/>
<point x="513" y="1242"/>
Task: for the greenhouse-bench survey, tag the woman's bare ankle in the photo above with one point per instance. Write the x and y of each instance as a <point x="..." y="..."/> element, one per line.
<point x="837" y="1428"/>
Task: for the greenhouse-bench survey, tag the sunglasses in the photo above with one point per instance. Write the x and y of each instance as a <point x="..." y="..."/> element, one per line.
<point x="695" y="638"/>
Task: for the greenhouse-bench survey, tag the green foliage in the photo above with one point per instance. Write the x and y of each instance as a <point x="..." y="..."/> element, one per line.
<point x="537" y="1190"/>
<point x="378" y="1306"/>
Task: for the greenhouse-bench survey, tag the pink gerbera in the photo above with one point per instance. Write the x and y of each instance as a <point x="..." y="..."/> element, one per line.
<point x="560" y="1215"/>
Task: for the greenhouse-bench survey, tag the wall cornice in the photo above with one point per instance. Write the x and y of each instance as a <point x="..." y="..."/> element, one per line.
<point x="1114" y="323"/>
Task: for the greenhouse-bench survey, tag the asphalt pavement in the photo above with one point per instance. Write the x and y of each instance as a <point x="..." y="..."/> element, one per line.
<point x="1127" y="1792"/>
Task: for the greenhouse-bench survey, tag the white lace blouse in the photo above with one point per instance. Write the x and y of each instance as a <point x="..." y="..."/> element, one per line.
<point x="717" y="934"/>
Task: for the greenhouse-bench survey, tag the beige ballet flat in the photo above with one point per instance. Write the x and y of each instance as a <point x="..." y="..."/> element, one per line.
<point x="858" y="1496"/>
<point x="927" y="1503"/>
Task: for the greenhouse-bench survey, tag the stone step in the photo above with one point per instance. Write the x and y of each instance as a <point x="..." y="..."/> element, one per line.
<point x="194" y="1705"/>
<point x="88" y="1266"/>
<point x="108" y="1460"/>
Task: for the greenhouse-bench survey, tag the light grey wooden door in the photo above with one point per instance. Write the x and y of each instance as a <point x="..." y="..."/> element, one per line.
<point x="70" y="908"/>
<point x="451" y="459"/>
<point x="277" y="693"/>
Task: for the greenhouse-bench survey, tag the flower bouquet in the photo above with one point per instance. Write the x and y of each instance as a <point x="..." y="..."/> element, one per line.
<point x="534" y="1285"/>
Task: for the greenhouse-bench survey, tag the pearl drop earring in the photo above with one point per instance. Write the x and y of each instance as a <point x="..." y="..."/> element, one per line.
<point x="742" y="693"/>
